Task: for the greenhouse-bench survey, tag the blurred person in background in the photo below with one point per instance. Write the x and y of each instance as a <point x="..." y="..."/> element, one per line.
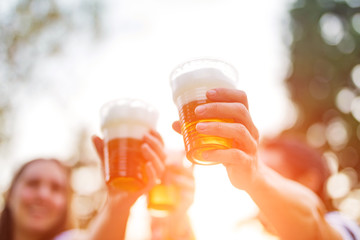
<point x="284" y="177"/>
<point x="38" y="201"/>
<point x="294" y="159"/>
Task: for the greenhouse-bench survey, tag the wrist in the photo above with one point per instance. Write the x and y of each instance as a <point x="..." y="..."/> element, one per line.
<point x="257" y="179"/>
<point x="181" y="228"/>
<point x="121" y="200"/>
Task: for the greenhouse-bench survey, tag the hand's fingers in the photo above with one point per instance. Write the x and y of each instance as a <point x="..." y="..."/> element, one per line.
<point x="99" y="146"/>
<point x="186" y="199"/>
<point x="151" y="176"/>
<point x="227" y="95"/>
<point x="156" y="144"/>
<point x="242" y="139"/>
<point x="157" y="135"/>
<point x="181" y="177"/>
<point x="151" y="156"/>
<point x="185" y="183"/>
<point x="176" y="126"/>
<point x="236" y="111"/>
<point x="230" y="156"/>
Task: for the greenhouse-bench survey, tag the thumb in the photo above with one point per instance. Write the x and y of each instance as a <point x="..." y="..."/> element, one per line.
<point x="99" y="146"/>
<point x="176" y="126"/>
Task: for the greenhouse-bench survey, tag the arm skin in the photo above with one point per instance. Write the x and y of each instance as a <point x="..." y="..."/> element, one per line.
<point x="294" y="211"/>
<point x="112" y="220"/>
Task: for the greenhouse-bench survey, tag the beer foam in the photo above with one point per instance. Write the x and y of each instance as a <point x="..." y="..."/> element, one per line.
<point x="125" y="130"/>
<point x="130" y="112"/>
<point x="202" y="79"/>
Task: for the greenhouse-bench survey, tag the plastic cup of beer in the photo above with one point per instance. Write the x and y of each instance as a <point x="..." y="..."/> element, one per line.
<point x="163" y="198"/>
<point x="189" y="83"/>
<point x="124" y="122"/>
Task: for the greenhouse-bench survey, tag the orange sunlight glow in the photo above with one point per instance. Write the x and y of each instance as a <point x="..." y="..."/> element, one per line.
<point x="146" y="40"/>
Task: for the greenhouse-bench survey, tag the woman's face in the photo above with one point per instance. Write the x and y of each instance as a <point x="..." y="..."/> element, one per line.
<point x="38" y="200"/>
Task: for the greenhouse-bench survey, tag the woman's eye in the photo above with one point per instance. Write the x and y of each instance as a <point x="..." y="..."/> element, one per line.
<point x="32" y="183"/>
<point x="57" y="188"/>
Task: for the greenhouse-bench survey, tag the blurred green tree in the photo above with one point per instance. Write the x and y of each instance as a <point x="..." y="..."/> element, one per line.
<point x="31" y="30"/>
<point x="324" y="80"/>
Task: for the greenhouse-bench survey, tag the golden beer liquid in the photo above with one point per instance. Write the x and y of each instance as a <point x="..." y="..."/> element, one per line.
<point x="196" y="143"/>
<point x="162" y="199"/>
<point x="126" y="165"/>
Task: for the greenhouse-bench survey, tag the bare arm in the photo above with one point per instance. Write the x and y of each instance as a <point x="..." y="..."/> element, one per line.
<point x="293" y="210"/>
<point x="112" y="220"/>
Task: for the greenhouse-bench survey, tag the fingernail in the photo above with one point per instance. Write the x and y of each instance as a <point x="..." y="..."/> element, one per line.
<point x="200" y="109"/>
<point x="205" y="155"/>
<point x="211" y="93"/>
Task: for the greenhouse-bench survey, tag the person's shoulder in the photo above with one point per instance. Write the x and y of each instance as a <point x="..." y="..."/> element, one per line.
<point x="73" y="234"/>
<point x="348" y="228"/>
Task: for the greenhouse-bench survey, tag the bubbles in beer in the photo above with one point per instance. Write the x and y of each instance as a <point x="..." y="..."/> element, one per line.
<point x="162" y="199"/>
<point x="190" y="82"/>
<point x="124" y="123"/>
<point x="196" y="143"/>
<point x="125" y="165"/>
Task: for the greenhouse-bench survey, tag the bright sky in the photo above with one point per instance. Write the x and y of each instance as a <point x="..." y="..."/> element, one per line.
<point x="143" y="42"/>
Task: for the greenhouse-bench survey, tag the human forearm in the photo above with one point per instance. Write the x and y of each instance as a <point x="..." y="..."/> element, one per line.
<point x="293" y="210"/>
<point x="177" y="226"/>
<point x="112" y="220"/>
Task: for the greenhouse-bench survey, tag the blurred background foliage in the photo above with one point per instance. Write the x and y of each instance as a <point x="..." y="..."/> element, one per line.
<point x="32" y="31"/>
<point x="324" y="83"/>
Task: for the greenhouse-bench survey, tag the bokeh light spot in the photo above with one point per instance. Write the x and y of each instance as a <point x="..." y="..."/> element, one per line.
<point x="344" y="99"/>
<point x="355" y="75"/>
<point x="332" y="29"/>
<point x="353" y="3"/>
<point x="355" y="108"/>
<point x="83" y="206"/>
<point x="352" y="175"/>
<point x="86" y="180"/>
<point x="347" y="45"/>
<point x="332" y="161"/>
<point x="355" y="20"/>
<point x="350" y="206"/>
<point x="316" y="135"/>
<point x="336" y="134"/>
<point x="338" y="185"/>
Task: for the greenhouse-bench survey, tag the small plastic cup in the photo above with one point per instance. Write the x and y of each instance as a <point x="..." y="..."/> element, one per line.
<point x="164" y="197"/>
<point x="189" y="83"/>
<point x="124" y="123"/>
